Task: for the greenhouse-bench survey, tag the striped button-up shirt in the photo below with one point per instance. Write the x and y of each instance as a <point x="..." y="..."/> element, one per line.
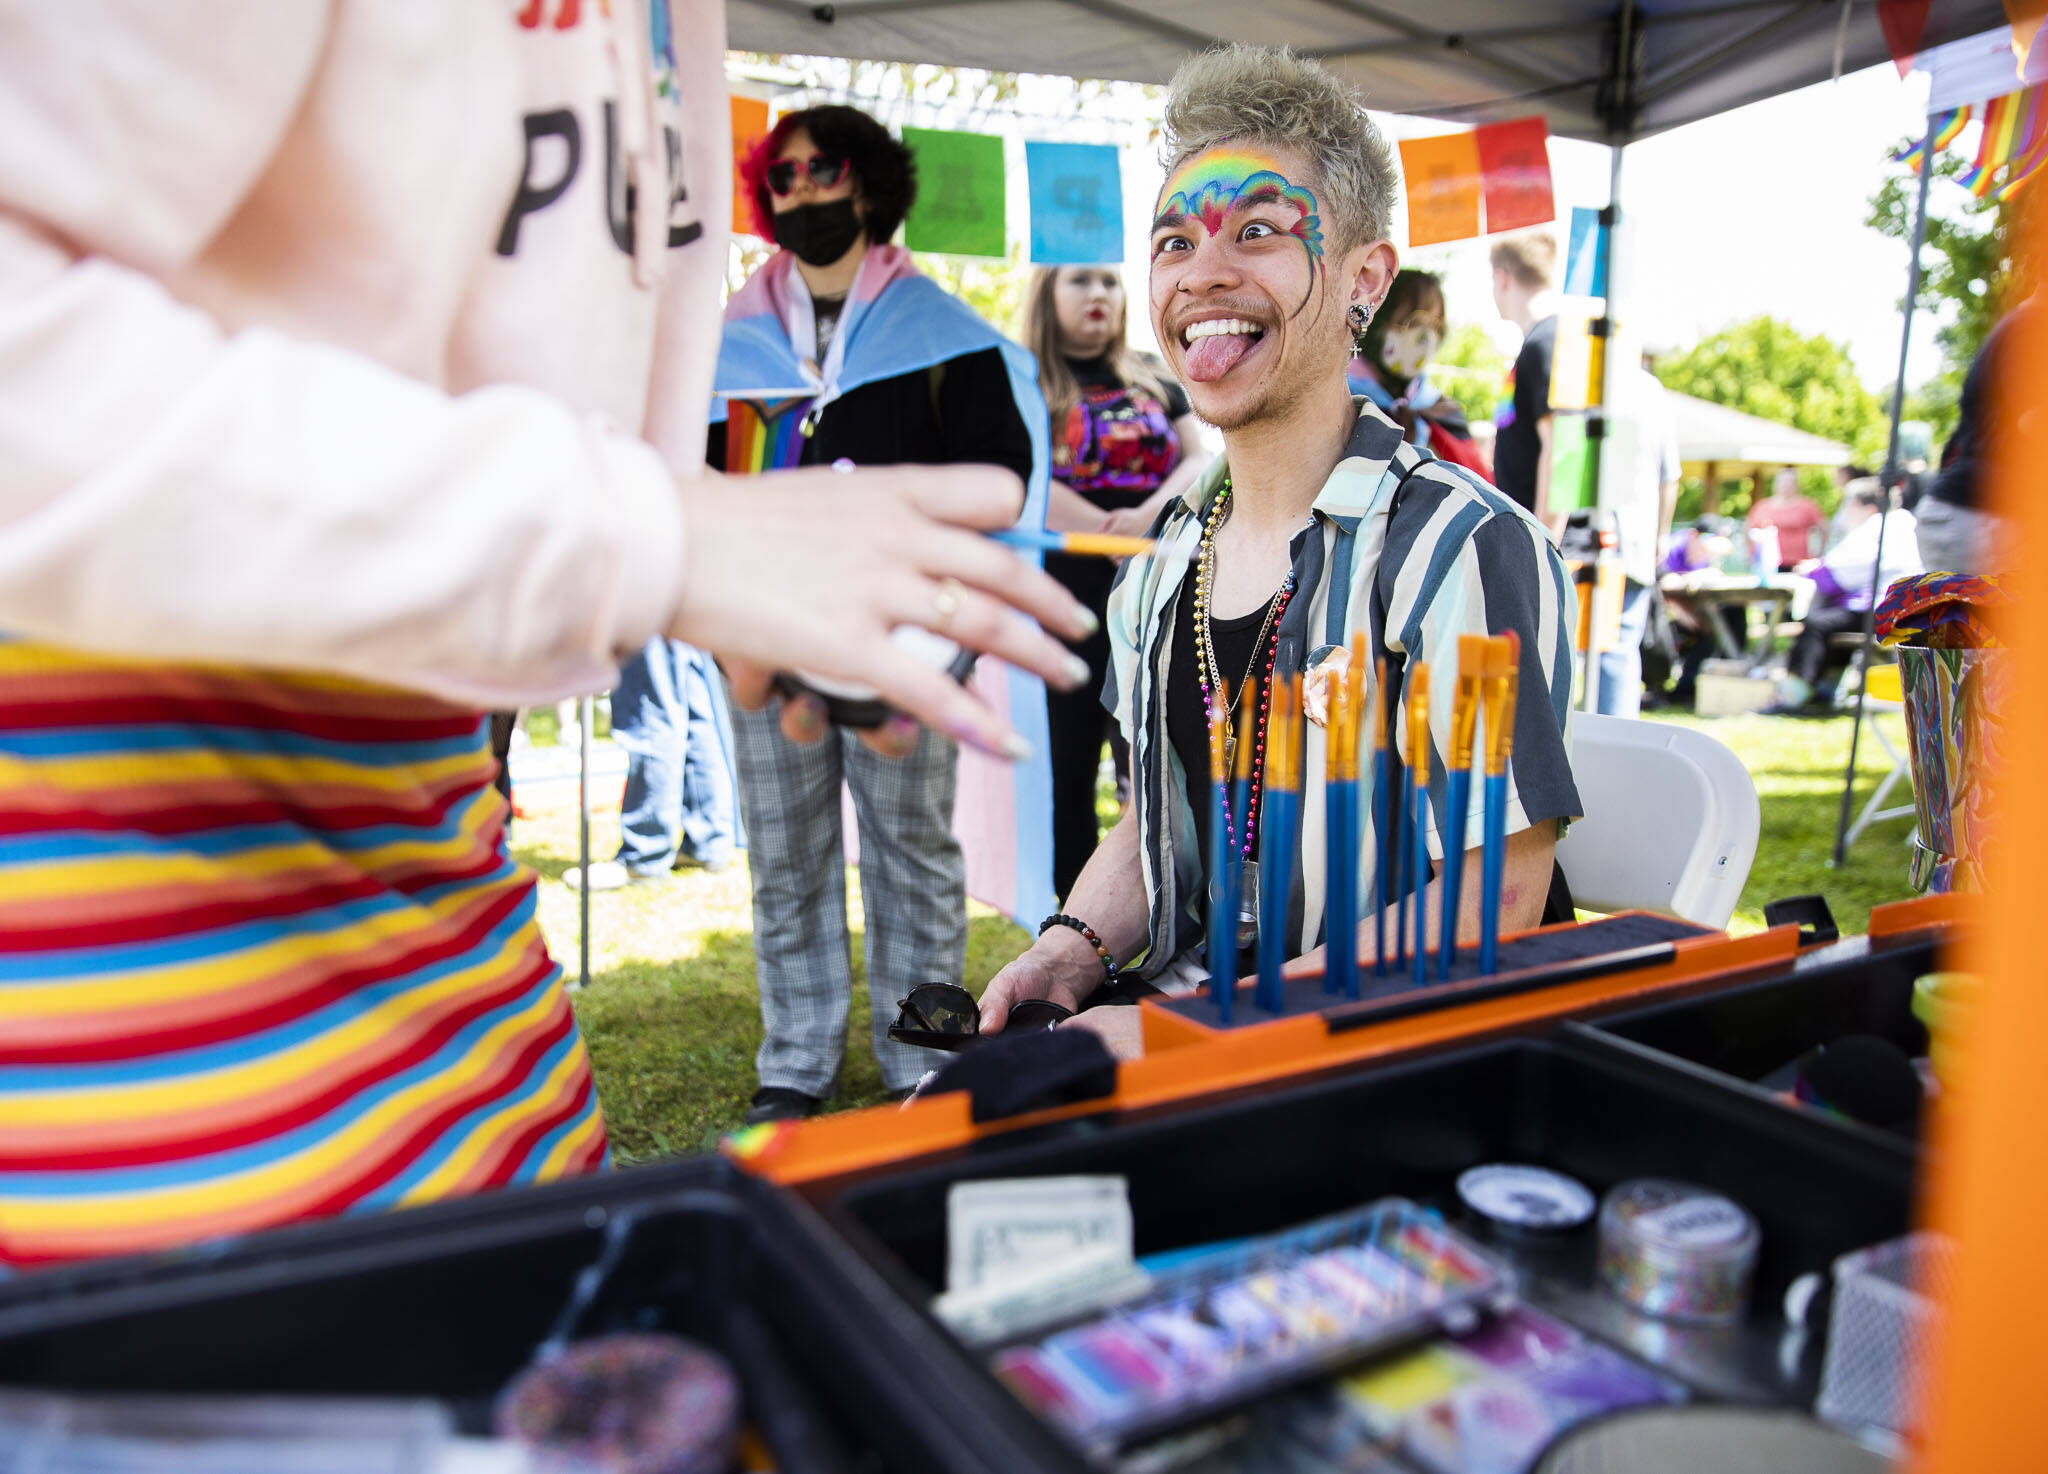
<point x="1412" y="551"/>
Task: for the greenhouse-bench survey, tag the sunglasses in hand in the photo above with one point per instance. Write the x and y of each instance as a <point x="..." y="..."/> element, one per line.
<point x="945" y="1016"/>
<point x="824" y="171"/>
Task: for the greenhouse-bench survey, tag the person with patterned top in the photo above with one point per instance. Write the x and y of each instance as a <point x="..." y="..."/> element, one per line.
<point x="1124" y="445"/>
<point x="1269" y="259"/>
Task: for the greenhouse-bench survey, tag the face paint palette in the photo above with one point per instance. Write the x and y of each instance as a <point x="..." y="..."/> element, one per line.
<point x="1233" y="1327"/>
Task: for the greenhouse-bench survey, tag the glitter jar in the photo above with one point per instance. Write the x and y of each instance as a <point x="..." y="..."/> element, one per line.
<point x="1676" y="1250"/>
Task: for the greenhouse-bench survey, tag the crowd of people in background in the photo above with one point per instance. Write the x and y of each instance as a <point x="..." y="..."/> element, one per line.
<point x="1124" y="448"/>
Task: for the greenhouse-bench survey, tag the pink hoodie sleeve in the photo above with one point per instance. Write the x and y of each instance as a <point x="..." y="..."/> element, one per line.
<point x="174" y="490"/>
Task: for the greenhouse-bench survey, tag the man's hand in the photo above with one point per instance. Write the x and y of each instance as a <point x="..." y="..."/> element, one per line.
<point x="1060" y="966"/>
<point x="815" y="568"/>
<point x="804" y="720"/>
<point x="1319" y="682"/>
<point x="1121" y="1028"/>
<point x="1130" y="522"/>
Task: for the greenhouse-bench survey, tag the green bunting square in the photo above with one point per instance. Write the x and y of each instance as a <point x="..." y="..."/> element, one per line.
<point x="960" y="193"/>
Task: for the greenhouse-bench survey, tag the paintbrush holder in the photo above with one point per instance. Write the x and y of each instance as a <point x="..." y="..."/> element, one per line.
<point x="1550" y="957"/>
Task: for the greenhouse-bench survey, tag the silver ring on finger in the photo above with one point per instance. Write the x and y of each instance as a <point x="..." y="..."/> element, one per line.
<point x="946" y="601"/>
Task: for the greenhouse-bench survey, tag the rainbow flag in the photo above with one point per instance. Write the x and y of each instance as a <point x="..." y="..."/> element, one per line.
<point x="2013" y="126"/>
<point x="2030" y="147"/>
<point x="1944" y="126"/>
<point x="898" y="321"/>
<point x="764" y="435"/>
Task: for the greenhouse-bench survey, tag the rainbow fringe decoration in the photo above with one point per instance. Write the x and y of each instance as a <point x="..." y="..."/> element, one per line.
<point x="763" y="435"/>
<point x="1944" y="126"/>
<point x="2013" y="128"/>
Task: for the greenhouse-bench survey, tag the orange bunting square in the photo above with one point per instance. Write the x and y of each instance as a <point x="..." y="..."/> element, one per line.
<point x="749" y="129"/>
<point x="1442" y="184"/>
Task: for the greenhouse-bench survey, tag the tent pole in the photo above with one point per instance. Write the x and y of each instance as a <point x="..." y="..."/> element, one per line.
<point x="1619" y="107"/>
<point x="1589" y="693"/>
<point x="586" y="714"/>
<point x="1891" y="475"/>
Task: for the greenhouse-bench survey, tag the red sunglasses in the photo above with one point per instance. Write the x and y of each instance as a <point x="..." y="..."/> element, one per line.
<point x="824" y="171"/>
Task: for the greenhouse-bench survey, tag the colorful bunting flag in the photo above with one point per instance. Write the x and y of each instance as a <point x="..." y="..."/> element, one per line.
<point x="1514" y="171"/>
<point x="1077" y="203"/>
<point x="1903" y="22"/>
<point x="2030" y="152"/>
<point x="960" y="193"/>
<point x="1442" y="175"/>
<point x="1944" y="126"/>
<point x="749" y="132"/>
<point x="2026" y="17"/>
<point x="1585" y="271"/>
<point x="2013" y="126"/>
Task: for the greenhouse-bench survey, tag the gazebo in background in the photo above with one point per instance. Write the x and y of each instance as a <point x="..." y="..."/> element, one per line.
<point x="1718" y="444"/>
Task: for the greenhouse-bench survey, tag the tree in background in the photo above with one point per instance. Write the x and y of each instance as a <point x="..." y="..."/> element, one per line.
<point x="1767" y="368"/>
<point x="1968" y="278"/>
<point x="1469" y="369"/>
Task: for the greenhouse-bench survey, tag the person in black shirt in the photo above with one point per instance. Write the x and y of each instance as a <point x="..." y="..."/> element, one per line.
<point x="1957" y="534"/>
<point x="834" y="186"/>
<point x="1524" y="270"/>
<point x="1123" y="445"/>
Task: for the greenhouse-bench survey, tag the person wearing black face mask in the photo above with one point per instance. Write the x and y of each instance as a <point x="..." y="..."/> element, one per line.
<point x="838" y="349"/>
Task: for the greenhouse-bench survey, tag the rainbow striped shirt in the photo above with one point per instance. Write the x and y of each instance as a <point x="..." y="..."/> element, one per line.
<point x="262" y="956"/>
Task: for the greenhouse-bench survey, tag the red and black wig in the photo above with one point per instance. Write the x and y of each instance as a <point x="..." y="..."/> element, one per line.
<point x="885" y="174"/>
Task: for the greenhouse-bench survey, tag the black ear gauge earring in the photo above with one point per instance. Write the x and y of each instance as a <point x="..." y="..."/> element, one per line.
<point x="1359" y="318"/>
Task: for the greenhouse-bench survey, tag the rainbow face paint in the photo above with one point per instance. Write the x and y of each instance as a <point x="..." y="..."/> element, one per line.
<point x="1216" y="184"/>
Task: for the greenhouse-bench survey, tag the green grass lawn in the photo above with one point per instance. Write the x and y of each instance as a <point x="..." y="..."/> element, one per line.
<point x="671" y="1014"/>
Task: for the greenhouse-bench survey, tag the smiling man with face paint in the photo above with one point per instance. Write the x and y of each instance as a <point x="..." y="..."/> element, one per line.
<point x="1269" y="259"/>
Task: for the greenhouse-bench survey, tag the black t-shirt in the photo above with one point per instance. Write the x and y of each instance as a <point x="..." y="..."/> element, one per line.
<point x="959" y="411"/>
<point x="825" y="318"/>
<point x="1963" y="458"/>
<point x="1187" y="720"/>
<point x="1516" y="449"/>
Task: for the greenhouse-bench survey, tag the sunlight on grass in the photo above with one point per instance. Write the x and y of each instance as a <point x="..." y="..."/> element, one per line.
<point x="673" y="1020"/>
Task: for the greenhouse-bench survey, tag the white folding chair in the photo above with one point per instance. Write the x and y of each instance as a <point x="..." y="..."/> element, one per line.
<point x="1882" y="692"/>
<point x="1671" y="820"/>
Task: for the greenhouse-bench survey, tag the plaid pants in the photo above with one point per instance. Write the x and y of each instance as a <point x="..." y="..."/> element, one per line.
<point x="913" y="887"/>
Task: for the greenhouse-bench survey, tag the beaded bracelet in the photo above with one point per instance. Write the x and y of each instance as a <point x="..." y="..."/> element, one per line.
<point x="1088" y="935"/>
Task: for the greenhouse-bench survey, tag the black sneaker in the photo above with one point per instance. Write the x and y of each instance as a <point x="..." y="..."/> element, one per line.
<point x="779" y="1103"/>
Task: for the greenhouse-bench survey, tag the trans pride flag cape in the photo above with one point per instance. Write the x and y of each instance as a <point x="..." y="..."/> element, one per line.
<point x="898" y="321"/>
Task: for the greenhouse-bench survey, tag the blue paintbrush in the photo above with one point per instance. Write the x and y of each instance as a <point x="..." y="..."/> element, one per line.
<point x="1503" y="675"/>
<point x="1418" y="814"/>
<point x="1340" y="831"/>
<point x="1279" y="823"/>
<point x="1458" y="789"/>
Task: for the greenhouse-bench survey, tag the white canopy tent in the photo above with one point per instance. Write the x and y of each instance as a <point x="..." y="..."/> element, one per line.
<point x="1596" y="70"/>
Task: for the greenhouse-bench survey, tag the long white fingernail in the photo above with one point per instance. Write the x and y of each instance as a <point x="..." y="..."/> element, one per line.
<point x="1077" y="669"/>
<point x="1016" y="749"/>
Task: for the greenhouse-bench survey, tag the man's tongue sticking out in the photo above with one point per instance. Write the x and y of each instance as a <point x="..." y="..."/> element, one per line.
<point x="1209" y="359"/>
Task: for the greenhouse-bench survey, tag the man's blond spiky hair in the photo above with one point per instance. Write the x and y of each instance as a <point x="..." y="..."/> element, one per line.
<point x="1262" y="95"/>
